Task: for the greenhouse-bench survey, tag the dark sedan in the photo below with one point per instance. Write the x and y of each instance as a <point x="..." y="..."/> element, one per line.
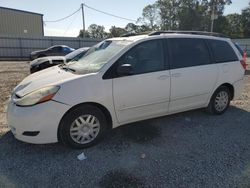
<point x="45" y="62"/>
<point x="59" y="50"/>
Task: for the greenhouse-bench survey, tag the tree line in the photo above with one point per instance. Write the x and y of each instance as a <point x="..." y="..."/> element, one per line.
<point x="181" y="15"/>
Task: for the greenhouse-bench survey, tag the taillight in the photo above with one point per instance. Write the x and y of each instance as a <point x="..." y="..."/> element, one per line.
<point x="243" y="63"/>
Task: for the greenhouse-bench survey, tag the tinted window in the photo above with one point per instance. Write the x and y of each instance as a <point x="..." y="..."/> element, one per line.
<point x="57" y="49"/>
<point x="66" y="49"/>
<point x="187" y="52"/>
<point x="79" y="56"/>
<point x="239" y="48"/>
<point x="77" y="53"/>
<point x="145" y="57"/>
<point x="222" y="51"/>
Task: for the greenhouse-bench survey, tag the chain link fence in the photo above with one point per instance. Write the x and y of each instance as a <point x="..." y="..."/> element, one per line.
<point x="244" y="44"/>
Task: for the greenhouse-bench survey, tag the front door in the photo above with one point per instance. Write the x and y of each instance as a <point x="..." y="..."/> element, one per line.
<point x="146" y="92"/>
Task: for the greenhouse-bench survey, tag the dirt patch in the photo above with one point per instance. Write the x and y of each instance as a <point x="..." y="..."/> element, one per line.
<point x="11" y="74"/>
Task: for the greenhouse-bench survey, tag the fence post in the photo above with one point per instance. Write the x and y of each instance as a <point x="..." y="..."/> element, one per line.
<point x="79" y="43"/>
<point x="51" y="41"/>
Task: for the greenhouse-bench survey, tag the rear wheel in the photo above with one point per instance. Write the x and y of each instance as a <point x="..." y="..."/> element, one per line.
<point x="82" y="127"/>
<point x="220" y="101"/>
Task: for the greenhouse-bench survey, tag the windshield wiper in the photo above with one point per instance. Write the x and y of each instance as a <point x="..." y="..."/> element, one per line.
<point x="62" y="65"/>
<point x="66" y="68"/>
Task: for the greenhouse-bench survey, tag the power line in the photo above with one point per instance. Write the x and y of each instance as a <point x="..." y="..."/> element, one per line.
<point x="61" y="19"/>
<point x="74" y="18"/>
<point x="109" y="14"/>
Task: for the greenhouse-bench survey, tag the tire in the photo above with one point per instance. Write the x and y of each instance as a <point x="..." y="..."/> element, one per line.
<point x="220" y="101"/>
<point x="82" y="127"/>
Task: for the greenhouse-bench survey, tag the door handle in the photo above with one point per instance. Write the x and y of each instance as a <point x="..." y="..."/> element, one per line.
<point x="163" y="77"/>
<point x="176" y="75"/>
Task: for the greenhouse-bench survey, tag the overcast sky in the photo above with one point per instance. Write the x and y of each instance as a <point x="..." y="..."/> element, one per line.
<point x="56" y="9"/>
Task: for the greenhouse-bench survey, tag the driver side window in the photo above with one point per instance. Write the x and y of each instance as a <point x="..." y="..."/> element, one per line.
<point x="57" y="49"/>
<point x="145" y="57"/>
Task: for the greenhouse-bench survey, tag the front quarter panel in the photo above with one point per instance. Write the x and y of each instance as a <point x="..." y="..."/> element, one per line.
<point x="88" y="89"/>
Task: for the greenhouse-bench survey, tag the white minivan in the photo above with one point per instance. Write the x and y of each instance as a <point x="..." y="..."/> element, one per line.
<point x="123" y="80"/>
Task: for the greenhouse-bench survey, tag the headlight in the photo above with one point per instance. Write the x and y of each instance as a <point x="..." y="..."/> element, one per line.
<point x="38" y="96"/>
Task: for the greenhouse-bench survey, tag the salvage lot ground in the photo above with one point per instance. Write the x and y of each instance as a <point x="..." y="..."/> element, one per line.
<point x="191" y="149"/>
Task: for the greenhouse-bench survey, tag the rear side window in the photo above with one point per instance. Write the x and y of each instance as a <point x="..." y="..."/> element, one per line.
<point x="222" y="51"/>
<point x="239" y="48"/>
<point x="188" y="52"/>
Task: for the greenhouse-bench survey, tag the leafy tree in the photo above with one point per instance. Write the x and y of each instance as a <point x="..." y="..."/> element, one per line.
<point x="233" y="27"/>
<point x="219" y="6"/>
<point x="86" y="34"/>
<point x="116" y="31"/>
<point x="132" y="28"/>
<point x="221" y="25"/>
<point x="150" y="16"/>
<point x="183" y="14"/>
<point x="97" y="31"/>
<point x="145" y="29"/>
<point x="137" y="29"/>
<point x="245" y="16"/>
<point x="192" y="16"/>
<point x="169" y="11"/>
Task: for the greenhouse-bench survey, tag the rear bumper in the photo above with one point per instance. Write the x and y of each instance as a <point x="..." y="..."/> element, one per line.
<point x="36" y="124"/>
<point x="238" y="88"/>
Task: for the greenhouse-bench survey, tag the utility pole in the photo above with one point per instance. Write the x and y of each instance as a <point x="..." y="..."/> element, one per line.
<point x="213" y="16"/>
<point x="83" y="20"/>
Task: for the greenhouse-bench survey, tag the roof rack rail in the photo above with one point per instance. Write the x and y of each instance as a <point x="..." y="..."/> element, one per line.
<point x="189" y="32"/>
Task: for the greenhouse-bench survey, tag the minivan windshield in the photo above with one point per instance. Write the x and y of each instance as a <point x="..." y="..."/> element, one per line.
<point x="97" y="56"/>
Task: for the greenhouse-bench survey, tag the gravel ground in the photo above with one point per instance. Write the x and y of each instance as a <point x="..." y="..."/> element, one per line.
<point x="191" y="149"/>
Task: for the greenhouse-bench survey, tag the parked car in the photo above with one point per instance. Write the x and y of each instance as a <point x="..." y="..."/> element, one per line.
<point x="124" y="80"/>
<point x="46" y="62"/>
<point x="58" y="50"/>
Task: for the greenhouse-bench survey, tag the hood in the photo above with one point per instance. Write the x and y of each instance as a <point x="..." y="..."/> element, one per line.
<point x="49" y="58"/>
<point x="47" y="77"/>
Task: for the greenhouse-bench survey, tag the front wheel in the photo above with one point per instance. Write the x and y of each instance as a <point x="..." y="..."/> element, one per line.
<point x="82" y="127"/>
<point x="220" y="101"/>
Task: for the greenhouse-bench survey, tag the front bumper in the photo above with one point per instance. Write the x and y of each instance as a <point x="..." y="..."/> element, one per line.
<point x="36" y="124"/>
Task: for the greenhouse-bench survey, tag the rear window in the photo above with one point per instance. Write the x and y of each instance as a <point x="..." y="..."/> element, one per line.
<point x="222" y="51"/>
<point x="239" y="48"/>
<point x="188" y="52"/>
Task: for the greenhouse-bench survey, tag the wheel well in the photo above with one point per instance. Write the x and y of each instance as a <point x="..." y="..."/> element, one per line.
<point x="101" y="107"/>
<point x="231" y="89"/>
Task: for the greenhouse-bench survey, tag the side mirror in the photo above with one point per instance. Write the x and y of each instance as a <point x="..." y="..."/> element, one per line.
<point x="125" y="70"/>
